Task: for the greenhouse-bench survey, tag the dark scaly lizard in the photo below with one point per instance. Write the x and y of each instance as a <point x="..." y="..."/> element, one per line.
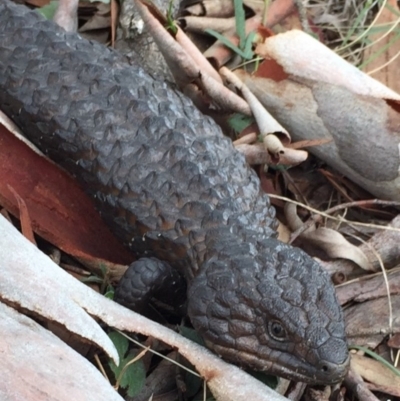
<point x="171" y="186"/>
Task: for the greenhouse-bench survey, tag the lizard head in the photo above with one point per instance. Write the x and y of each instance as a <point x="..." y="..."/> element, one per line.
<point x="271" y="307"/>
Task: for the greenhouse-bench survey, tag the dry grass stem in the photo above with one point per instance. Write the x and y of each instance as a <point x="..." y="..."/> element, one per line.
<point x="328" y="216"/>
<point x="100" y="366"/>
<point x="147" y="348"/>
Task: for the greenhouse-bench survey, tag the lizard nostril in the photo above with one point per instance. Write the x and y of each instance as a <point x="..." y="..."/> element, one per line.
<point x="335" y="372"/>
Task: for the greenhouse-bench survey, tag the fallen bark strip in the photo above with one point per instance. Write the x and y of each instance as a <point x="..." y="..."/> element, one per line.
<point x="33" y="282"/>
<point x="37" y="365"/>
<point x="315" y="94"/>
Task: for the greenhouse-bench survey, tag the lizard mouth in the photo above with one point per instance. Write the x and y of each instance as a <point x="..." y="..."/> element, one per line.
<point x="287" y="365"/>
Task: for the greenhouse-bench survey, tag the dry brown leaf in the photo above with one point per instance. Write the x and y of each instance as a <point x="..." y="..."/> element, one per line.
<point x="200" y="24"/>
<point x="187" y="64"/>
<point x="383" y="242"/>
<point x="394" y="341"/>
<point x="370" y="322"/>
<point x="246" y="139"/>
<point x="392" y="390"/>
<point x="224" y="97"/>
<point x="221" y="8"/>
<point x="336" y="246"/>
<point x="374" y="371"/>
<point x="101" y="19"/>
<point x="277" y="11"/>
<point x="292" y="156"/>
<point x="370" y="287"/>
<point x="32" y="280"/>
<point x="255" y="154"/>
<point x="283" y="233"/>
<point x="274" y="136"/>
<point x="330" y="241"/>
<point x="98" y="35"/>
<point x="211" y="8"/>
<point x="182" y="57"/>
<point x="202" y="63"/>
<point x="317" y="95"/>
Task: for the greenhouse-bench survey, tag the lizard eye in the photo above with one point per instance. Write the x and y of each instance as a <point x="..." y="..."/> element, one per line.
<point x="276" y="330"/>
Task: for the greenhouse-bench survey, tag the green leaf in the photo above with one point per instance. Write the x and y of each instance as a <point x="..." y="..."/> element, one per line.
<point x="191" y="334"/>
<point x="226" y="42"/>
<point x="92" y="279"/>
<point x="170" y="19"/>
<point x="193" y="383"/>
<point x="279" y="167"/>
<point x="110" y="291"/>
<point x="48" y="10"/>
<point x="134" y="376"/>
<point x="240" y="21"/>
<point x="244" y="50"/>
<point x="238" y="122"/>
<point x="248" y="45"/>
<point x="121" y="343"/>
<point x="130" y="376"/>
<point x="380" y="51"/>
<point x="103" y="269"/>
<point x="358" y="21"/>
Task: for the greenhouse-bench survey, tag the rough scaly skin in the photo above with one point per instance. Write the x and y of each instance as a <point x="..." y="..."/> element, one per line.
<point x="171" y="186"/>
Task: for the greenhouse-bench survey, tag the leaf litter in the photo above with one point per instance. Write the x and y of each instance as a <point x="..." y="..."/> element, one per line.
<point x="288" y="70"/>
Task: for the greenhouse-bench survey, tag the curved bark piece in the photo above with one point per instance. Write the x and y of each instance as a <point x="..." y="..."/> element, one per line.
<point x="227" y="382"/>
<point x="37" y="365"/>
<point x="317" y="95"/>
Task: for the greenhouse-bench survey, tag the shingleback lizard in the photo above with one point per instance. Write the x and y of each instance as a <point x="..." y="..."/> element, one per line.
<point x="171" y="186"/>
